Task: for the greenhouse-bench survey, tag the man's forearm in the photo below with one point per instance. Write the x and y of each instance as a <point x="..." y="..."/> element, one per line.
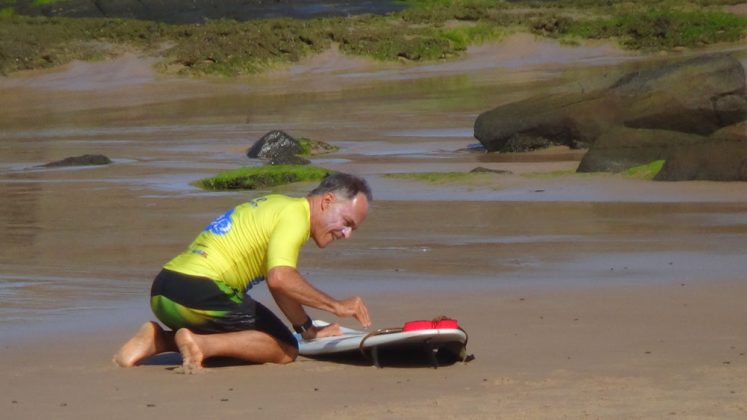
<point x="290" y="290"/>
<point x="292" y="309"/>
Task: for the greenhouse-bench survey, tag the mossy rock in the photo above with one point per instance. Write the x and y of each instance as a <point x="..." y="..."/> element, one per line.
<point x="279" y="148"/>
<point x="259" y="177"/>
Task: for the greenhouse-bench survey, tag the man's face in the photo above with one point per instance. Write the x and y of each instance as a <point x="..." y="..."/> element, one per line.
<point x="338" y="218"/>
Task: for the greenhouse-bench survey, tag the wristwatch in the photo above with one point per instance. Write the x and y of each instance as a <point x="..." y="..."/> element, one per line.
<point x="304" y="327"/>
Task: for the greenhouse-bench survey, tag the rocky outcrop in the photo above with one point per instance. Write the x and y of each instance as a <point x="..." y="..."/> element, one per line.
<point x="696" y="96"/>
<point x="723" y="157"/>
<point x="83" y="160"/>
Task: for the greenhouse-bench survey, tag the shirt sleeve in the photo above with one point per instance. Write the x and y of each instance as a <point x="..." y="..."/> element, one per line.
<point x="287" y="238"/>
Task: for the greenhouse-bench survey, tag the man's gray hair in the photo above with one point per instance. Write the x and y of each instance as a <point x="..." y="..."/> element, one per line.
<point x="346" y="184"/>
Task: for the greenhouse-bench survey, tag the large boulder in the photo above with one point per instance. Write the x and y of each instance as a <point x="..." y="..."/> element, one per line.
<point x="621" y="148"/>
<point x="573" y="119"/>
<point x="698" y="95"/>
<point x="723" y="157"/>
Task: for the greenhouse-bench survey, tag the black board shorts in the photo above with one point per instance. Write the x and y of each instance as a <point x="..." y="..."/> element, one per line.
<point x="207" y="306"/>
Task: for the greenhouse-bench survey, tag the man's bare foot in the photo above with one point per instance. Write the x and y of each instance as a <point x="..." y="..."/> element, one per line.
<point x="142" y="345"/>
<point x="191" y="354"/>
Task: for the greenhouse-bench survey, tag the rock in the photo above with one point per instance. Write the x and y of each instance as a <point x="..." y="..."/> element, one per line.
<point x="621" y="148"/>
<point x="275" y="146"/>
<point x="83" y="160"/>
<point x="279" y="148"/>
<point x="661" y="98"/>
<point x="723" y="157"/>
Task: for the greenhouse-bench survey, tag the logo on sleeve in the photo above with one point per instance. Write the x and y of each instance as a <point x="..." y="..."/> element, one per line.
<point x="222" y="224"/>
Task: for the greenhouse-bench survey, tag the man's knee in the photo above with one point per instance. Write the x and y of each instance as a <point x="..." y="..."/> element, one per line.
<point x="290" y="354"/>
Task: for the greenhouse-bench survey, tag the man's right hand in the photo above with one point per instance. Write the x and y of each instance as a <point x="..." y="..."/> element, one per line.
<point x="354" y="307"/>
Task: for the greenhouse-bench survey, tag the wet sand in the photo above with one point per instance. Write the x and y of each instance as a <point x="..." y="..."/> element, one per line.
<point x="593" y="296"/>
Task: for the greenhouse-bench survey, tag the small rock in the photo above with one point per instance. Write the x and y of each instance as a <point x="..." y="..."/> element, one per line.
<point x="82" y="160"/>
<point x="273" y="144"/>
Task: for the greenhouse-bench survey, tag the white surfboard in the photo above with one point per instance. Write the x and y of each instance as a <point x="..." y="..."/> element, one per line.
<point x="369" y="343"/>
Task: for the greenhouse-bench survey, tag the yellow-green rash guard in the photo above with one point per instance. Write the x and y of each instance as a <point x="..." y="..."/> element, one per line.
<point x="239" y="247"/>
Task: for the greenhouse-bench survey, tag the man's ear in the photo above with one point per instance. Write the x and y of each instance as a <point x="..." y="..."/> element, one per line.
<point x="327" y="199"/>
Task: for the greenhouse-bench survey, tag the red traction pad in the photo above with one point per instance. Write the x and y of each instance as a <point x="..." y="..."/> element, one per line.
<point x="437" y="324"/>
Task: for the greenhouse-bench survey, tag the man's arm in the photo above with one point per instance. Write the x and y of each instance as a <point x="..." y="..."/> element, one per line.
<point x="291" y="292"/>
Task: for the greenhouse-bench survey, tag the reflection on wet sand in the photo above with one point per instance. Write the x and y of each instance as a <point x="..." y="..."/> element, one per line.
<point x="19" y="215"/>
<point x="76" y="238"/>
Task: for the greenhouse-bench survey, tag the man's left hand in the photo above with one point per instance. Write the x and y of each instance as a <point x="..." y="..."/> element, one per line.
<point x="330" y="330"/>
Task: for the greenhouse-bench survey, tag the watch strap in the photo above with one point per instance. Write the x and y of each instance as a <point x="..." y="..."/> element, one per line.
<point x="305" y="326"/>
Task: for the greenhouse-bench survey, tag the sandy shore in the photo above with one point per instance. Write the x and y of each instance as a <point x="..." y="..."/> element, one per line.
<point x="584" y="296"/>
<point x="603" y="352"/>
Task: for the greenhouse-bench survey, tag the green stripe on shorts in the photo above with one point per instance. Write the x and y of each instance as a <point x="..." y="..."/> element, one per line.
<point x="178" y="316"/>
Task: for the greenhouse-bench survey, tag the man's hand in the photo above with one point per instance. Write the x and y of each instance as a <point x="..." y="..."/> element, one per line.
<point x="330" y="330"/>
<point x="354" y="307"/>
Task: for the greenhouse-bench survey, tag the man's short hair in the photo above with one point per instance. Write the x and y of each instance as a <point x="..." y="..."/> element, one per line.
<point x="346" y="184"/>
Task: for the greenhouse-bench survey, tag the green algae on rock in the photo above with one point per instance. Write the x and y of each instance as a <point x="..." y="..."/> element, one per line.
<point x="426" y="30"/>
<point x="646" y="171"/>
<point x="258" y="177"/>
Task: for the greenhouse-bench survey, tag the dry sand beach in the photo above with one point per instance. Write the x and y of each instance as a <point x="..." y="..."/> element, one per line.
<point x="585" y="296"/>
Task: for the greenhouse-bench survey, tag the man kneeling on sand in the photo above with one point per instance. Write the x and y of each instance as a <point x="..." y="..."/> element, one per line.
<point x="202" y="293"/>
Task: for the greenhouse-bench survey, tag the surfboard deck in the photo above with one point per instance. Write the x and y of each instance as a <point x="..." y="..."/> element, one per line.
<point x="431" y="341"/>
